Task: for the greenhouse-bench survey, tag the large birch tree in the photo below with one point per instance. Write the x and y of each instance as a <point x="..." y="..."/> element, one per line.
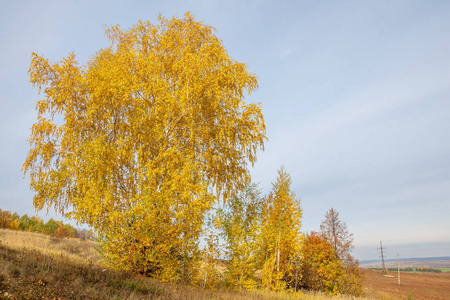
<point x="140" y="141"/>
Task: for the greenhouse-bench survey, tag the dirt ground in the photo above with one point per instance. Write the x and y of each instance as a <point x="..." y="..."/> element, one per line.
<point x="418" y="286"/>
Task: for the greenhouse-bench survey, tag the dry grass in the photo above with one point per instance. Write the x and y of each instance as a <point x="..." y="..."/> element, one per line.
<point x="73" y="248"/>
<point x="35" y="266"/>
<point x="31" y="274"/>
<point x="303" y="295"/>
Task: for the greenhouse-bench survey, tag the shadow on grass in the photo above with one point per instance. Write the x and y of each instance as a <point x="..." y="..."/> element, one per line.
<point x="30" y="274"/>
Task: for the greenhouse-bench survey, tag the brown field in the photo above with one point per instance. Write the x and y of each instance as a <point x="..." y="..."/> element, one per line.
<point x="417" y="286"/>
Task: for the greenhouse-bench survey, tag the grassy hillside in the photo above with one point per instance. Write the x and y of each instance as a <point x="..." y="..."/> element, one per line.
<point x="36" y="266"/>
<point x="75" y="249"/>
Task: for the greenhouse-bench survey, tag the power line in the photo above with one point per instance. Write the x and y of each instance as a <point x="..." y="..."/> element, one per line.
<point x="383" y="272"/>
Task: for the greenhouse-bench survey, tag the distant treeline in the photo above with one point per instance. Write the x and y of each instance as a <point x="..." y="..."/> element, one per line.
<point x="418" y="269"/>
<point x="53" y="228"/>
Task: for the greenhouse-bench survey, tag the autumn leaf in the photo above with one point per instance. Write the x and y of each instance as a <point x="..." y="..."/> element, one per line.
<point x="140" y="141"/>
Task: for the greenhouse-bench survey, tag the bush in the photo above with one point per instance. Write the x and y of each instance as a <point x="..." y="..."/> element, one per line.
<point x="64" y="231"/>
<point x="322" y="270"/>
<point x="8" y="221"/>
<point x="51" y="226"/>
<point x="85" y="234"/>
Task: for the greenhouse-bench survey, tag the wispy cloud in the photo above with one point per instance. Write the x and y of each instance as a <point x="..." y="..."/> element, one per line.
<point x="286" y="51"/>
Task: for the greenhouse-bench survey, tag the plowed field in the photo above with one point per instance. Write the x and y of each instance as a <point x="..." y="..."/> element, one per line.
<point x="426" y="286"/>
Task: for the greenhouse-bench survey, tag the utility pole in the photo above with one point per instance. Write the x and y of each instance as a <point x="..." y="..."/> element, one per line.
<point x="398" y="267"/>
<point x="383" y="272"/>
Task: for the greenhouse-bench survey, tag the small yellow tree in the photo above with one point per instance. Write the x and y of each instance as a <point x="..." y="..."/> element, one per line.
<point x="139" y="142"/>
<point x="241" y="225"/>
<point x="280" y="237"/>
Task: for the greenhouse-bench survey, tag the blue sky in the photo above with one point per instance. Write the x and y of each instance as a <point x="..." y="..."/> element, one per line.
<point x="355" y="94"/>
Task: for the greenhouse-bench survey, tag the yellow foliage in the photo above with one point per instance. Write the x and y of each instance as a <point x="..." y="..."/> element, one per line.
<point x="7" y="221"/>
<point x="139" y="142"/>
<point x="240" y="222"/>
<point x="207" y="275"/>
<point x="280" y="237"/>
